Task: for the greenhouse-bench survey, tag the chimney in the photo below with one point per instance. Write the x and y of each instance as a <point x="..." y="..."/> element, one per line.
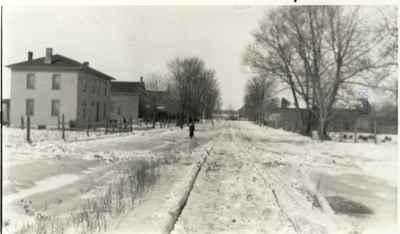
<point x="49" y="54"/>
<point x="30" y="55"/>
<point x="141" y="79"/>
<point x="85" y="64"/>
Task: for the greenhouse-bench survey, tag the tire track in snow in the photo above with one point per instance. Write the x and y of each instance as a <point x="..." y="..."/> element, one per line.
<point x="276" y="184"/>
<point x="269" y="185"/>
<point x="226" y="197"/>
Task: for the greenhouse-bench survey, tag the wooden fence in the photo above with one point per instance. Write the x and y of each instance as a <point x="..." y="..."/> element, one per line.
<point x="346" y="133"/>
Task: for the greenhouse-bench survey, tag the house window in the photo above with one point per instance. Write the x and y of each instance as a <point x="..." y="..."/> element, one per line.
<point x="85" y="86"/>
<point x="105" y="110"/>
<point x="105" y="90"/>
<point x="84" y="109"/>
<point x="55" y="107"/>
<point x="94" y="87"/>
<point x="99" y="89"/>
<point x="30" y="81"/>
<point x="98" y="116"/>
<point x="56" y="81"/>
<point x="30" y="107"/>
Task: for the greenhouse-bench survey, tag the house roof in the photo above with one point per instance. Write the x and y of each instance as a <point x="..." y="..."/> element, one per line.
<point x="59" y="62"/>
<point x="159" y="94"/>
<point x="127" y="87"/>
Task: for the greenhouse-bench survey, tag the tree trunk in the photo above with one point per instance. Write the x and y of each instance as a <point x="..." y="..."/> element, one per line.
<point x="154" y="119"/>
<point x="181" y="120"/>
<point x="307" y="130"/>
<point x="322" y="130"/>
<point x="296" y="104"/>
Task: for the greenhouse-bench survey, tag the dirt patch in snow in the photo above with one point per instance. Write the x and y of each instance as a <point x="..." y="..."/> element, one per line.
<point x="343" y="205"/>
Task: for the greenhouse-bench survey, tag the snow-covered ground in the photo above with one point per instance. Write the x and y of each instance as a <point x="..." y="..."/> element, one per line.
<point x="55" y="177"/>
<point x="263" y="180"/>
<point x="16" y="137"/>
<point x="255" y="180"/>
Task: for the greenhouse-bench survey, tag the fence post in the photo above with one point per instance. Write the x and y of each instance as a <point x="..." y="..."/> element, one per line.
<point x="131" y="123"/>
<point x="87" y="127"/>
<point x="340" y="131"/>
<point x="106" y="127"/>
<point x="28" y="129"/>
<point x="63" y="127"/>
<point x="375" y="133"/>
<point x="58" y="121"/>
<point x="22" y="122"/>
<point x="355" y="134"/>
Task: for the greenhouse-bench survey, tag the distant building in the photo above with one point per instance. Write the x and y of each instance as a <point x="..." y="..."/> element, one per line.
<point x="127" y="99"/>
<point x="343" y="119"/>
<point x="227" y="114"/>
<point x="243" y="113"/>
<point x="48" y="87"/>
<point x="160" y="100"/>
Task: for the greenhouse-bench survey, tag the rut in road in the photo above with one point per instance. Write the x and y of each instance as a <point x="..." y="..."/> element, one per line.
<point x="286" y="198"/>
<point x="269" y="185"/>
<point x="226" y="199"/>
<point x="177" y="211"/>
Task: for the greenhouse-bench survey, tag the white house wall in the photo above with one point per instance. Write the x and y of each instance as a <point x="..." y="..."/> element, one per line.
<point x="42" y="95"/>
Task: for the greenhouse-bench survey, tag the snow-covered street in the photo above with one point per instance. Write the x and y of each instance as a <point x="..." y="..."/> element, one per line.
<point x="254" y="180"/>
<point x="262" y="180"/>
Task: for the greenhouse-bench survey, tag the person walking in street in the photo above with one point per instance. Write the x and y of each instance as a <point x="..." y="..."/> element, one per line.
<point x="191" y="129"/>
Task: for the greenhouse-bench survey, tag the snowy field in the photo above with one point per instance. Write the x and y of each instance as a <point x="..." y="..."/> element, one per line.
<point x="255" y="180"/>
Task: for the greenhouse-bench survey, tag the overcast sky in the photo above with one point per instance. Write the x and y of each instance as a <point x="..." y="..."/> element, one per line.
<point x="127" y="42"/>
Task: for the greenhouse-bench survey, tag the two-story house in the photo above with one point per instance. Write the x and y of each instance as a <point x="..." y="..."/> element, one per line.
<point x="49" y="87"/>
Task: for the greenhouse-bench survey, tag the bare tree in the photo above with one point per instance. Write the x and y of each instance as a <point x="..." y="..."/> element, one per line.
<point x="258" y="98"/>
<point x="196" y="87"/>
<point x="387" y="29"/>
<point x="317" y="51"/>
<point x="155" y="86"/>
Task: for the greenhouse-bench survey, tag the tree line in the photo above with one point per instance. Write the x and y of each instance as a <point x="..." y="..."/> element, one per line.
<point x="190" y="90"/>
<point x="323" y="55"/>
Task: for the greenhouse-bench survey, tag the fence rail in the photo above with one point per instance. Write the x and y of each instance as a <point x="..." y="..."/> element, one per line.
<point x="100" y="128"/>
<point x="346" y="133"/>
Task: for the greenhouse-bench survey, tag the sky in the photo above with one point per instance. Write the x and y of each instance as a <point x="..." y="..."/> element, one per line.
<point x="127" y="42"/>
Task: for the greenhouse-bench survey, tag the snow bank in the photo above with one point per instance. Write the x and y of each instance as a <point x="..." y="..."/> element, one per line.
<point x="177" y="199"/>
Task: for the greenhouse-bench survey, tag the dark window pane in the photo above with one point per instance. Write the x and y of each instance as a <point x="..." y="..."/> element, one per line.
<point x="55" y="107"/>
<point x="29" y="107"/>
<point x="56" y="84"/>
<point x="30" y="81"/>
